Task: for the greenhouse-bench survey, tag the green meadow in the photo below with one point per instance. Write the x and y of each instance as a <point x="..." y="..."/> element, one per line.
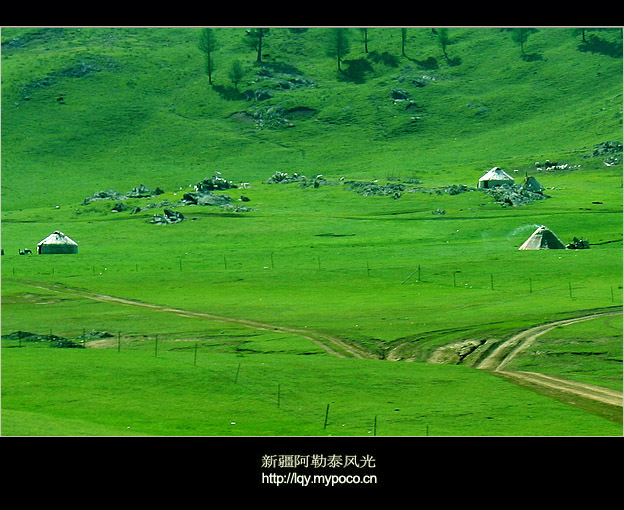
<point x="395" y="276"/>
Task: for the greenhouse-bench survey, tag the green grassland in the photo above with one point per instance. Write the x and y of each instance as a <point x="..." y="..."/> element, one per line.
<point x="92" y="109"/>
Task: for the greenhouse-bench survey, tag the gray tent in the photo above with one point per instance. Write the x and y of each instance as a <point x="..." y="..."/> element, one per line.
<point x="543" y="239"/>
<point x="495" y="177"/>
<point x="531" y="184"/>
<point x="57" y="242"/>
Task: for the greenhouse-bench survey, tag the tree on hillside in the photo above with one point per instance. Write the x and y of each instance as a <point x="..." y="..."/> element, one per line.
<point x="576" y="31"/>
<point x="403" y="39"/>
<point x="255" y="37"/>
<point x="520" y="36"/>
<point x="338" y="44"/>
<point x="208" y="44"/>
<point x="236" y="73"/>
<point x="365" y="38"/>
<point x="443" y="39"/>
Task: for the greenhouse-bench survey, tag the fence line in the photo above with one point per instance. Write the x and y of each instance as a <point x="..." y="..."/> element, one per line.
<point x="418" y="274"/>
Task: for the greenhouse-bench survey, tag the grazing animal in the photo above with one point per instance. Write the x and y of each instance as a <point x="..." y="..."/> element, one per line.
<point x="26" y="251"/>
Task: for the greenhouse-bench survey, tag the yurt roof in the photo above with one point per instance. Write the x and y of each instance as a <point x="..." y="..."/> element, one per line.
<point x="496" y="174"/>
<point x="57" y="238"/>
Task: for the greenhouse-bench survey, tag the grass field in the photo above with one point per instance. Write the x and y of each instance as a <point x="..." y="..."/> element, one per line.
<point x="420" y="270"/>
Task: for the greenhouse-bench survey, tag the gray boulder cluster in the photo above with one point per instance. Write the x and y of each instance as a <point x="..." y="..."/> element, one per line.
<point x="141" y="191"/>
<point x="285" y="178"/>
<point x="216" y="182"/>
<point x="514" y="195"/>
<point x="282" y="76"/>
<point x="167" y="217"/>
<point x="271" y="79"/>
<point x="611" y="152"/>
<point x="205" y="198"/>
<point x="578" y="244"/>
<point x="202" y="194"/>
<point x="55" y="341"/>
<point x="373" y="188"/>
<point x="505" y="195"/>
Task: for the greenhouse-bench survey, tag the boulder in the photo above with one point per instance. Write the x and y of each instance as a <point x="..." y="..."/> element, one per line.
<point x="399" y="94"/>
<point x="168" y="217"/>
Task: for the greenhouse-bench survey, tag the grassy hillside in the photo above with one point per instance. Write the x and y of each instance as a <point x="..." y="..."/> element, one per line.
<point x="392" y="250"/>
<point x="136" y="103"/>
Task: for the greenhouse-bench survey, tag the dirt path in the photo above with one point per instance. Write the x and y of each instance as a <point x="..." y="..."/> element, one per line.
<point x="519" y="342"/>
<point x="330" y="344"/>
<point x="494" y="362"/>
<point x="509" y="349"/>
<point x="587" y="391"/>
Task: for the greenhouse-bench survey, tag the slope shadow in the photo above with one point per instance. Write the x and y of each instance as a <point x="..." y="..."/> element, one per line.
<point x="597" y="45"/>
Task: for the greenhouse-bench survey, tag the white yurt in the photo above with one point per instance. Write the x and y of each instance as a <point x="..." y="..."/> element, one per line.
<point x="495" y="177"/>
<point x="57" y="242"/>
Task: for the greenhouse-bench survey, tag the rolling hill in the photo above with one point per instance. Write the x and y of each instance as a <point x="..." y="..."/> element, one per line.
<point x="341" y="244"/>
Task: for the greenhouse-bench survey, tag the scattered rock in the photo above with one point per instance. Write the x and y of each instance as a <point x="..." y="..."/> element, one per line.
<point x="284" y="178"/>
<point x="399" y="94"/>
<point x="611" y="151"/>
<point x="141" y="191"/>
<point x="273" y="116"/>
<point x="282" y="76"/>
<point x="373" y="188"/>
<point x="205" y="198"/>
<point x="216" y="182"/>
<point x="513" y="195"/>
<point x="257" y="94"/>
<point x="55" y="341"/>
<point x="237" y="209"/>
<point x="64" y="343"/>
<point x="578" y="244"/>
<point x="607" y="149"/>
<point x="168" y="217"/>
<point x="95" y="335"/>
<point x="104" y="195"/>
<point x="456" y="189"/>
<point x="202" y="195"/>
<point x="119" y="206"/>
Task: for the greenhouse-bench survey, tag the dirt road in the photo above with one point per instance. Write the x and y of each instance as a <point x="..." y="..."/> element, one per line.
<point x="330" y="344"/>
<point x="512" y="347"/>
<point x="519" y="342"/>
<point x="494" y="362"/>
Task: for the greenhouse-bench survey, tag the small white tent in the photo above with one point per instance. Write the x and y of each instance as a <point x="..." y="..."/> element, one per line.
<point x="543" y="239"/>
<point x="495" y="177"/>
<point x="57" y="242"/>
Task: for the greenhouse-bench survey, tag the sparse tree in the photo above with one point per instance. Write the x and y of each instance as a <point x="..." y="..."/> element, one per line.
<point x="208" y="44"/>
<point x="236" y="73"/>
<point x="403" y="39"/>
<point x="255" y="37"/>
<point x="444" y="40"/>
<point x="520" y="36"/>
<point x="576" y="31"/>
<point x="338" y="44"/>
<point x="365" y="38"/>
